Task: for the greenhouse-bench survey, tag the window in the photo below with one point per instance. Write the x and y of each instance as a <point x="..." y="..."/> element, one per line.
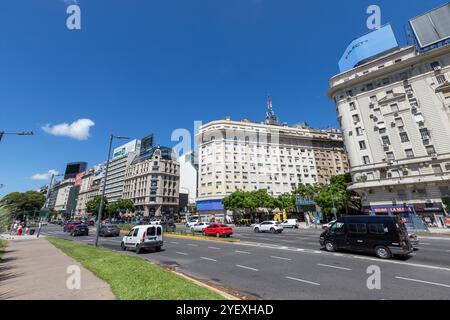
<point x="404" y="137"/>
<point x="401" y="194"/>
<point x="373" y="99"/>
<point x="390" y="156"/>
<point x="349" y="93"/>
<point x="338" y="227"/>
<point x="151" y="231"/>
<point x="419" y="117"/>
<point x="441" y="79"/>
<point x="377" y="228"/>
<point x="369" y="86"/>
<point x="359" y="131"/>
<point x="435" y="65"/>
<point x="135" y="232"/>
<point x="445" y="191"/>
<point x="437" y="168"/>
<point x="385" y="140"/>
<point x="352" y="106"/>
<point x="430" y="150"/>
<point x="362" y="145"/>
<point x="355" y="118"/>
<point x="394" y="107"/>
<point x="409" y="153"/>
<point x="424" y="134"/>
<point x="366" y="160"/>
<point x="386" y="81"/>
<point x="399" y="122"/>
<point x="422" y="192"/>
<point x="357" y="228"/>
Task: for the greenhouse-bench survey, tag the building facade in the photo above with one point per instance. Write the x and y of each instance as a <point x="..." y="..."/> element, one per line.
<point x="62" y="197"/>
<point x="244" y="155"/>
<point x="188" y="177"/>
<point x="152" y="181"/>
<point x="394" y="112"/>
<point x="121" y="159"/>
<point x="89" y="188"/>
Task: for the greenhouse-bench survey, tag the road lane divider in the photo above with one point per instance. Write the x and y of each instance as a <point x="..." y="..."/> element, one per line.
<point x="182" y="253"/>
<point x="426" y="282"/>
<point x="243" y="252"/>
<point x="280" y="258"/>
<point x="334" y="267"/>
<point x="248" y="268"/>
<point x="305" y="281"/>
<point x="182" y="236"/>
<point x="214" y="248"/>
<point x="208" y="259"/>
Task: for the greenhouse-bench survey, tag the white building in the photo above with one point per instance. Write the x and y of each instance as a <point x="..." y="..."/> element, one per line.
<point x="188" y="175"/>
<point x="121" y="159"/>
<point x="394" y="112"/>
<point x="244" y="155"/>
<point x="62" y="198"/>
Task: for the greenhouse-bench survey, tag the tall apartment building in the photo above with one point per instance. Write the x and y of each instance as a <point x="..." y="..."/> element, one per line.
<point x="89" y="188"/>
<point x="62" y="198"/>
<point x="152" y="182"/>
<point x="394" y="112"/>
<point x="244" y="155"/>
<point x="121" y="159"/>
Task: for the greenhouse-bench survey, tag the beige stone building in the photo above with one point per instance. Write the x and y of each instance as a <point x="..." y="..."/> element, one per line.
<point x="152" y="182"/>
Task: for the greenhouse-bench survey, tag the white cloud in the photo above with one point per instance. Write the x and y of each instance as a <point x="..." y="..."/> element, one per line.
<point x="78" y="129"/>
<point x="44" y="176"/>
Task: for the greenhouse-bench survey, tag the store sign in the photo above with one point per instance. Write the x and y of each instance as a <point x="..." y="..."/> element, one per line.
<point x="78" y="178"/>
<point x="428" y="208"/>
<point x="385" y="210"/>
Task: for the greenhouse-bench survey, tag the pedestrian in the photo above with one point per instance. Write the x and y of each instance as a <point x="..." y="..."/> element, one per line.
<point x="19" y="230"/>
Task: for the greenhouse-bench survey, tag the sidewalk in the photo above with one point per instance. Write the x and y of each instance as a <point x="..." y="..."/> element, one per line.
<point x="34" y="269"/>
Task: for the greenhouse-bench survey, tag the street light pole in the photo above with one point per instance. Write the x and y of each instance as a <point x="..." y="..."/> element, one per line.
<point x="2" y="133"/>
<point x="102" y="197"/>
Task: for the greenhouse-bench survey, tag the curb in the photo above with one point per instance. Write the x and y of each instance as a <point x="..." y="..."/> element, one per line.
<point x="171" y="235"/>
<point x="202" y="284"/>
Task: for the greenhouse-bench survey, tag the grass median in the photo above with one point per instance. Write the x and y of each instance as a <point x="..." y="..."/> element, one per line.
<point x="133" y="278"/>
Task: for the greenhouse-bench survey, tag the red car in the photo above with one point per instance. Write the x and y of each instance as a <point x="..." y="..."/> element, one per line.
<point x="218" y="230"/>
<point x="69" y="227"/>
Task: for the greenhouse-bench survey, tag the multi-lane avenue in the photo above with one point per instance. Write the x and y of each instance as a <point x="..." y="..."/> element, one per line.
<point x="291" y="265"/>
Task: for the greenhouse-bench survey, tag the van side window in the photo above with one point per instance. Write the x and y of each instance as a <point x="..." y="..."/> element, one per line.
<point x="151" y="231"/>
<point x="158" y="231"/>
<point x="377" y="228"/>
<point x="135" y="233"/>
<point x="338" y="227"/>
<point x="357" y="228"/>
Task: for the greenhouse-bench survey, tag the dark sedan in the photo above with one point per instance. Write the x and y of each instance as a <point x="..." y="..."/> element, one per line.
<point x="80" y="230"/>
<point x="109" y="230"/>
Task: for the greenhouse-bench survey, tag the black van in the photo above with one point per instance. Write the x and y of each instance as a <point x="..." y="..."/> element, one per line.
<point x="383" y="235"/>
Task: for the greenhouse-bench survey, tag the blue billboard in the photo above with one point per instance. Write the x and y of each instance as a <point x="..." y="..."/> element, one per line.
<point x="368" y="46"/>
<point x="209" y="205"/>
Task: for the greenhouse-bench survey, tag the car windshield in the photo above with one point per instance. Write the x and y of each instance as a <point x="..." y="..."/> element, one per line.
<point x="277" y="222"/>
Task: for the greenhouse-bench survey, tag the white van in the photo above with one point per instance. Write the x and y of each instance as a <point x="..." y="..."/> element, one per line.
<point x="143" y="237"/>
<point x="290" y="223"/>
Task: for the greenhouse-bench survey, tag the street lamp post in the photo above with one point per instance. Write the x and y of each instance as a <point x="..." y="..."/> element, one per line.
<point x="2" y="133"/>
<point x="47" y="195"/>
<point x="102" y="197"/>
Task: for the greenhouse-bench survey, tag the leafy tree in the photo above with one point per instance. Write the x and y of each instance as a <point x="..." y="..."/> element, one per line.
<point x="93" y="205"/>
<point x="120" y="206"/>
<point x="22" y="204"/>
<point x="5" y="218"/>
<point x="285" y="202"/>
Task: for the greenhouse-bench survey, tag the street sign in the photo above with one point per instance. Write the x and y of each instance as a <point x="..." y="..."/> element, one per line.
<point x="43" y="213"/>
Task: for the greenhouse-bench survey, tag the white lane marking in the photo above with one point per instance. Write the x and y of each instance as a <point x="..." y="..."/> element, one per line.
<point x="209" y="259"/>
<point x="422" y="281"/>
<point x="434" y="238"/>
<point x="214" y="248"/>
<point x="305" y="281"/>
<point x="182" y="253"/>
<point x="288" y="241"/>
<point x="335" y="267"/>
<point x="244" y="252"/>
<point x="424" y="244"/>
<point x="192" y="245"/>
<point x="174" y="242"/>
<point x="248" y="268"/>
<point x="260" y="245"/>
<point x="280" y="258"/>
<point x="338" y="254"/>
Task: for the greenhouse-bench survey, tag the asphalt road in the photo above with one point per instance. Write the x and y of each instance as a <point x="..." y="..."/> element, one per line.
<point x="292" y="266"/>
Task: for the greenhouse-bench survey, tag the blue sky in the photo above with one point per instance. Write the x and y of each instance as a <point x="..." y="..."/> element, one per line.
<point x="140" y="67"/>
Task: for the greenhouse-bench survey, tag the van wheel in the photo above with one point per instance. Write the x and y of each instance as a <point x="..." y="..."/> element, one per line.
<point x="330" y="246"/>
<point x="122" y="246"/>
<point x="383" y="252"/>
<point x="138" y="249"/>
<point x="158" y="248"/>
<point x="257" y="230"/>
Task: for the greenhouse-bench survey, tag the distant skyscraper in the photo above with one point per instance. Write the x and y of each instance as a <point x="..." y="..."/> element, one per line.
<point x="72" y="169"/>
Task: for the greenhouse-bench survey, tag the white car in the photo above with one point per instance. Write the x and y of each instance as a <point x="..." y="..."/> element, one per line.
<point x="190" y="224"/>
<point x="143" y="237"/>
<point x="268" y="226"/>
<point x="198" y="227"/>
<point x="290" y="223"/>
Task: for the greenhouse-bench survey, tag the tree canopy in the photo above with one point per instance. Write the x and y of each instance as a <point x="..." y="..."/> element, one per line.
<point x="93" y="205"/>
<point x="21" y="204"/>
<point x="120" y="206"/>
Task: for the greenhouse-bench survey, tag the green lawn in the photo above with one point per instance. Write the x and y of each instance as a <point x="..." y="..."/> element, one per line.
<point x="133" y="278"/>
<point x="3" y="244"/>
